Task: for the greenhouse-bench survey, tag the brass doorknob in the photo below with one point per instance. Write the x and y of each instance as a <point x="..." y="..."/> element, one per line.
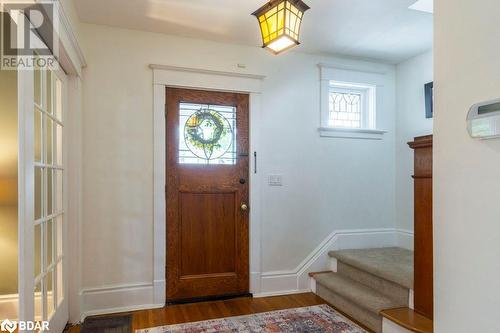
<point x="244" y="206"/>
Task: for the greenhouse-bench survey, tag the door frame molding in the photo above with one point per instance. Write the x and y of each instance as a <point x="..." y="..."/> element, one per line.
<point x="204" y="79"/>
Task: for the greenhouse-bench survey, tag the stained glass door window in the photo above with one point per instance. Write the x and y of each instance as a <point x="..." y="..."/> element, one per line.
<point x="207" y="134"/>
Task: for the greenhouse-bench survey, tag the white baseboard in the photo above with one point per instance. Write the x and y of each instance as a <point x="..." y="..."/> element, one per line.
<point x="9" y="306"/>
<point x="122" y="298"/>
<point x="281" y="293"/>
<point x="297" y="280"/>
<point x="313" y="285"/>
<point x="411" y="299"/>
<point x="130" y="297"/>
<point x="405" y="238"/>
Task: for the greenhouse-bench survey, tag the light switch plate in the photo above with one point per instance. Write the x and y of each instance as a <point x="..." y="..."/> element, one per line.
<point x="275" y="180"/>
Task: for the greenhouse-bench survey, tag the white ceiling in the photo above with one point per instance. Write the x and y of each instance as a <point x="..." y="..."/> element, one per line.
<point x="378" y="29"/>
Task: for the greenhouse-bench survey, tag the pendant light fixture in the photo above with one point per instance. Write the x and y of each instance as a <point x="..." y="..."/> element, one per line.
<point x="279" y="22"/>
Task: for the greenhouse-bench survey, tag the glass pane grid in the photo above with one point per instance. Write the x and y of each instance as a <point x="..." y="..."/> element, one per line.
<point x="52" y="166"/>
<point x="38" y="249"/>
<point x="50" y="190"/>
<point x="45" y="248"/>
<point x="38" y="193"/>
<point x="48" y="206"/>
<point x="49" y="144"/>
<point x="345" y="109"/>
<point x="58" y="148"/>
<point x="58" y="99"/>
<point x="38" y="300"/>
<point x="49" y="91"/>
<point x="49" y="285"/>
<point x="207" y="134"/>
<point x="49" y="243"/>
<point x="47" y="218"/>
<point x="38" y="77"/>
<point x="59" y="282"/>
<point x="58" y="193"/>
<point x="42" y="275"/>
<point x="50" y="116"/>
<point x="38" y="133"/>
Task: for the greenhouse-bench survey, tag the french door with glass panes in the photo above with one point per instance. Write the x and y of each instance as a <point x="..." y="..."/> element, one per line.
<point x="42" y="108"/>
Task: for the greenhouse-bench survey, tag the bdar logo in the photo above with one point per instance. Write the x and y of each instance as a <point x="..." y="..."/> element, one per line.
<point x="8" y="325"/>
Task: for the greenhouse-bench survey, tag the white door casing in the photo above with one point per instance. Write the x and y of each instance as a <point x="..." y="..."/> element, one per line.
<point x="194" y="78"/>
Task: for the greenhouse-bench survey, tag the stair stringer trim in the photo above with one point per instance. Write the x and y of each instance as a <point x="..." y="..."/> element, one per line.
<point x="297" y="280"/>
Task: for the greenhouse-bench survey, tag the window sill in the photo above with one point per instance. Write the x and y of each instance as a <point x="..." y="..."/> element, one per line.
<point x="352" y="133"/>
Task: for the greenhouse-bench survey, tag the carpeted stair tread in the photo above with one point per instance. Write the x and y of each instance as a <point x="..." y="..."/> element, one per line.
<point x="360" y="294"/>
<point x="391" y="263"/>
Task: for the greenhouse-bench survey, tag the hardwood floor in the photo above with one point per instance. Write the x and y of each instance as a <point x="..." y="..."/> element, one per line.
<point x="175" y="314"/>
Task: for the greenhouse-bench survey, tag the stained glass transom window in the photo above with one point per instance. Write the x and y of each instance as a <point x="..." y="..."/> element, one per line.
<point x="345" y="109"/>
<point x="207" y="134"/>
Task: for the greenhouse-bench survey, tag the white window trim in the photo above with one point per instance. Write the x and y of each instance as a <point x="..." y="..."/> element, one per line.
<point x="351" y="133"/>
<point x="372" y="88"/>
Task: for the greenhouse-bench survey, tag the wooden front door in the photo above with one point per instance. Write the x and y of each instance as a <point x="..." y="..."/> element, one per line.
<point x="207" y="194"/>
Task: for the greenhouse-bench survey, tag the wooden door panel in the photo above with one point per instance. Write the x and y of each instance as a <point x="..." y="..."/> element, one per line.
<point x="207" y="232"/>
<point x="423" y="255"/>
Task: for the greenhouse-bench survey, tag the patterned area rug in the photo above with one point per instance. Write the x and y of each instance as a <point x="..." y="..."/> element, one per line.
<point x="313" y="319"/>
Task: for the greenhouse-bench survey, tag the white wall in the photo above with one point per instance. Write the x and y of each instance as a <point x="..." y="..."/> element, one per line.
<point x="466" y="179"/>
<point x="411" y="76"/>
<point x="329" y="184"/>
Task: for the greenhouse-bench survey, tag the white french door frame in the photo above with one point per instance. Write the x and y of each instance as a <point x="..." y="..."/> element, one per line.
<point x="26" y="175"/>
<point x="26" y="225"/>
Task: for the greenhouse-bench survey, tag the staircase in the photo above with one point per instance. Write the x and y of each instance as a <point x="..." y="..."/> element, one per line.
<point x="364" y="282"/>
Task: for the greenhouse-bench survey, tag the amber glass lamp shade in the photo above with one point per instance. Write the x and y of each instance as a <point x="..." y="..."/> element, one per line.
<point x="279" y="22"/>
